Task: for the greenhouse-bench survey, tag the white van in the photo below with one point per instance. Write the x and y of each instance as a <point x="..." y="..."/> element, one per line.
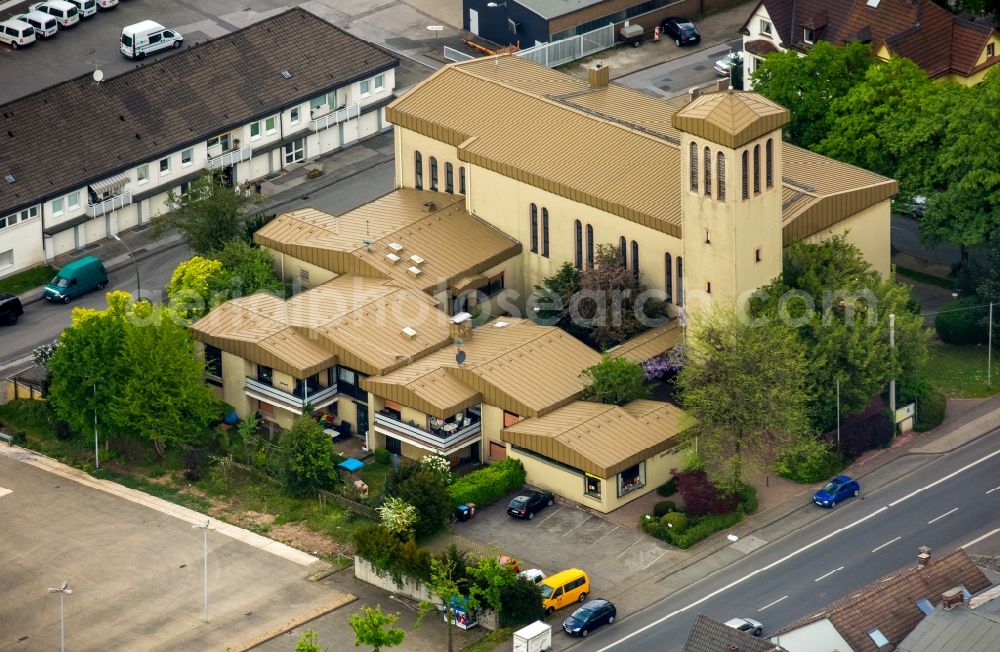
<point x="16" y="33"/>
<point x="107" y="4"/>
<point x="65" y="13"/>
<point x="87" y="8"/>
<point x="45" y="26"/>
<point x="148" y="37"/>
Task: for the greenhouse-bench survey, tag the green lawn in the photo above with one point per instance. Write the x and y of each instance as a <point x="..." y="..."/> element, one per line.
<point x="27" y="280"/>
<point x="960" y="371"/>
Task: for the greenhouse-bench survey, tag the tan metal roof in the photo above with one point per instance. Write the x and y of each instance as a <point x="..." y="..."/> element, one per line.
<point x="650" y="344"/>
<point x="600" y="439"/>
<point x="425" y="387"/>
<point x="730" y="118"/>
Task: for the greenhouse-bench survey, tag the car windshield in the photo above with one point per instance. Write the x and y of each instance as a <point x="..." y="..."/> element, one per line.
<point x="831" y="487"/>
<point x="583" y="614"/>
<point x="127" y="40"/>
<point x="517" y="503"/>
<point x="687" y="30"/>
<point x="546" y="591"/>
<point x="60" y="282"/>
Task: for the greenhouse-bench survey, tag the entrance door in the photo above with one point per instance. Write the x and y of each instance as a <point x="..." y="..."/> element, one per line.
<point x="362" y="423"/>
<point x="229" y="175"/>
<point x="474" y="21"/>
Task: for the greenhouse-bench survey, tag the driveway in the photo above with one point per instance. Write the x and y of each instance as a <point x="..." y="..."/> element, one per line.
<point x="566" y="536"/>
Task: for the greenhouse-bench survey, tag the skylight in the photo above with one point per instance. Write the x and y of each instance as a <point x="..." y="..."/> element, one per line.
<point x="877" y="636"/>
<point x="925" y="605"/>
<point x="873" y="3"/>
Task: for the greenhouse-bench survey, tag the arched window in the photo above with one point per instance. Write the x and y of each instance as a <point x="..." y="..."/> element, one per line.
<point x="756" y="169"/>
<point x="694" y="167"/>
<point x="418" y="175"/>
<point x="578" y="241"/>
<point x="434" y="174"/>
<point x="720" y="176"/>
<point x="449" y="177"/>
<point x="746" y="184"/>
<point x="545" y="232"/>
<point x="668" y="278"/>
<point x="635" y="256"/>
<point x="768" y="163"/>
<point x="461" y="179"/>
<point x="708" y="172"/>
<point x="534" y="228"/>
<point x="590" y="247"/>
<point x="680" y="282"/>
<point x="623" y="250"/>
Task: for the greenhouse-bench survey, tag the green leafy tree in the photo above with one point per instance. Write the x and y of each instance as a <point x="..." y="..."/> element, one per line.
<point x="249" y="270"/>
<point x="192" y="286"/>
<point x="807" y="86"/>
<point x="614" y="381"/>
<point x="308" y="458"/>
<point x="443" y="584"/>
<point x="489" y="579"/>
<point x="398" y="517"/>
<point x="745" y="385"/>
<point x="555" y="294"/>
<point x="373" y="627"/>
<point x="426" y="490"/>
<point x="308" y="642"/>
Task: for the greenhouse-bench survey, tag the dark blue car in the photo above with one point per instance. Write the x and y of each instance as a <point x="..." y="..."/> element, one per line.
<point x="840" y="488"/>
<point x="589" y="617"/>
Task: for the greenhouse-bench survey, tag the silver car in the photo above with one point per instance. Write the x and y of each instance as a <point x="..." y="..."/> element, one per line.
<point x="747" y="625"/>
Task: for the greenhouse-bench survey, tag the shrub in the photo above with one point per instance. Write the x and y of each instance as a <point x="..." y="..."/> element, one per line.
<point x="390" y="556"/>
<point x="62" y="430"/>
<point x="748" y="499"/>
<point x="962" y="321"/>
<point x="701" y="496"/>
<point x="865" y="431"/>
<point x="703" y="528"/>
<point x="663" y="507"/>
<point x="931" y="404"/>
<point x="520" y="603"/>
<point x="381" y="455"/>
<point x="488" y="485"/>
<point x="675" y="521"/>
<point x="195" y="464"/>
<point x="425" y="489"/>
<point x="810" y="460"/>
<point x="668" y="488"/>
<point x="308" y="461"/>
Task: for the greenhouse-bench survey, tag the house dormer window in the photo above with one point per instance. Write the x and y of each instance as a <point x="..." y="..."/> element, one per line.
<point x="765" y="27"/>
<point x="808" y="36"/>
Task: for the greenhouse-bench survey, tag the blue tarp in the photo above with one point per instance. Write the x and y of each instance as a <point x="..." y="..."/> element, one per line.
<point x="351" y="464"/>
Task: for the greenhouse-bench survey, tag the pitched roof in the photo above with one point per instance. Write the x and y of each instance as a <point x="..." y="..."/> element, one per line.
<point x="159" y="107"/>
<point x="730" y="118"/>
<point x="968" y="628"/>
<point x="650" y="344"/>
<point x="549" y="9"/>
<point x="708" y="635"/>
<point x="890" y="603"/>
<point x="612" y="148"/>
<point x="600" y="439"/>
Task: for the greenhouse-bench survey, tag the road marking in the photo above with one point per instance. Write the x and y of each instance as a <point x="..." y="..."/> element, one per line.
<point x="978" y="539"/>
<point x="578" y="525"/>
<point x="548" y="517"/>
<point x="771" y="604"/>
<point x="823" y="577"/>
<point x="4" y="492"/>
<point x="886" y="543"/>
<point x="654" y="560"/>
<point x="626" y="549"/>
<point x="606" y="534"/>
<point x="992" y="490"/>
<point x="947" y="477"/>
<point x="942" y="516"/>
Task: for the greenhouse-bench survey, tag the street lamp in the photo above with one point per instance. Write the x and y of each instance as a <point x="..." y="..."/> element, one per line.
<point x="206" y="528"/>
<point x="63" y="591"/>
<point x="138" y="286"/>
<point x="494" y="5"/>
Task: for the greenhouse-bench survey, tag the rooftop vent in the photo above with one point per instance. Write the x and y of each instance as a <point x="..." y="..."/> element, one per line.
<point x="395" y="246"/>
<point x="501" y="324"/>
<point x="286" y="74"/>
<point x="461" y="317"/>
<point x="409" y="332"/>
<point x="430" y="206"/>
<point x="417" y="260"/>
<point x="393" y="258"/>
<point x="415" y="271"/>
<point x="9" y="178"/>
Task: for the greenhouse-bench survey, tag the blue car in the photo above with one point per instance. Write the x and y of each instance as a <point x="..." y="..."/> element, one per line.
<point x="589" y="617"/>
<point x="840" y="488"/>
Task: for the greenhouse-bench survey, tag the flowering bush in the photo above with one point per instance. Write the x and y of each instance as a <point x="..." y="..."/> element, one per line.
<point x="658" y="367"/>
<point x="42" y="354"/>
<point x="439" y="465"/>
<point x="398" y="516"/>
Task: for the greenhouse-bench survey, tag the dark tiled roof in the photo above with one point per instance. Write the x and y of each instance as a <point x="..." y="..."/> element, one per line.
<point x="760" y="47"/>
<point x="79" y="131"/>
<point x="709" y="635"/>
<point x="890" y="603"/>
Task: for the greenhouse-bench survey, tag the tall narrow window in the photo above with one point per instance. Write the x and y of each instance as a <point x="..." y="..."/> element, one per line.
<point x="635" y="257"/>
<point x="461" y="179"/>
<point x="768" y="163"/>
<point x="418" y="175"/>
<point x="756" y="169"/>
<point x="578" y="241"/>
<point x="720" y="176"/>
<point x="746" y="185"/>
<point x="590" y="247"/>
<point x="708" y="172"/>
<point x="623" y="250"/>
<point x="449" y="177"/>
<point x="693" y="162"/>
<point x="680" y="282"/>
<point x="434" y="174"/>
<point x="545" y="232"/>
<point x="668" y="278"/>
<point x="534" y="228"/>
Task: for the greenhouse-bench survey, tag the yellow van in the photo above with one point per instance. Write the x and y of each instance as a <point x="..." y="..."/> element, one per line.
<point x="563" y="588"/>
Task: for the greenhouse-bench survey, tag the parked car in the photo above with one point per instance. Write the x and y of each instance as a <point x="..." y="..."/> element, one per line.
<point x="107" y="4"/>
<point x="11" y="309"/>
<point x="532" y="574"/>
<point x="87" y="8"/>
<point x="563" y="588"/>
<point x="915" y="206"/>
<point x="589" y="617"/>
<point x="65" y="13"/>
<point x="748" y="625"/>
<point x="45" y="26"/>
<point x="839" y="489"/>
<point x="528" y="503"/>
<point x="16" y="33"/>
<point x="147" y="37"/>
<point x="79" y="277"/>
<point x="724" y="66"/>
<point x="681" y="30"/>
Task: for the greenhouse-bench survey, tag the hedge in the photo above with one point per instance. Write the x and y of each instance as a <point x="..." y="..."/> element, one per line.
<point x="489" y="484"/>
<point x="962" y="321"/>
<point x="391" y="556"/>
<point x="931" y="404"/>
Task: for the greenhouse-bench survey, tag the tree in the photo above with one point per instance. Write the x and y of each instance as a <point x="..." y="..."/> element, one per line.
<point x="373" y="627"/>
<point x="614" y="381"/>
<point x="192" y="286"/>
<point x="308" y="643"/>
<point x="443" y="585"/>
<point x="308" y="458"/>
<point x="425" y="489"/>
<point x="249" y="270"/>
<point x="555" y="294"/>
<point x="745" y="385"/>
<point x="208" y="216"/>
<point x="398" y="517"/>
<point x="807" y="86"/>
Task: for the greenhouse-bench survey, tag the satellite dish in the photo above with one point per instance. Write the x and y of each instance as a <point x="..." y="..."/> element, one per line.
<point x="98" y="75"/>
<point x="460" y="356"/>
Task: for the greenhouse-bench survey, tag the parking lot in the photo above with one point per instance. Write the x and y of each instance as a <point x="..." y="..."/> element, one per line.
<point x="565" y="536"/>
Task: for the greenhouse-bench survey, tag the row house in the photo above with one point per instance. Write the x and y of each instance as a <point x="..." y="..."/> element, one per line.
<point x="247" y="105"/>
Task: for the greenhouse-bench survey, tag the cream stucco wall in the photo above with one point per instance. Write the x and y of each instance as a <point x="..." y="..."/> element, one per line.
<point x="234" y="373"/>
<point x="869" y="231"/>
<point x="290" y="269"/>
<point x="407" y="143"/>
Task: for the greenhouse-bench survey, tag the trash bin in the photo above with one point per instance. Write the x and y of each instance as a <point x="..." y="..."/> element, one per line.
<point x="472" y="509"/>
<point x="462" y="513"/>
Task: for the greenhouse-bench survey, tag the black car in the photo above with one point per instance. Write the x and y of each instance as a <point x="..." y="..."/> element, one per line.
<point x="681" y="30"/>
<point x="527" y="503"/>
<point x="589" y="617"/>
<point x="10" y="309"/>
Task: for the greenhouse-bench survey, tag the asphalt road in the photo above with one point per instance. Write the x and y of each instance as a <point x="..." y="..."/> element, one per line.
<point x="905" y="238"/>
<point x="675" y="77"/>
<point x="942" y="502"/>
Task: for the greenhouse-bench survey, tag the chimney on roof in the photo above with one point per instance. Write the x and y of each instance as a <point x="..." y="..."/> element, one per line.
<point x="430" y="206"/>
<point x="923" y="556"/>
<point x="599" y="75"/>
<point x="693" y="93"/>
<point x="952" y="598"/>
<point x="461" y="326"/>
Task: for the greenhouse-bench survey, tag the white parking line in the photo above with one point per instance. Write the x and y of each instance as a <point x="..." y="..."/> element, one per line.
<point x="578" y="525"/>
<point x="771" y="604"/>
<point x="978" y="539"/>
<point x="992" y="490"/>
<point x="548" y="517"/>
<point x="823" y="577"/>
<point x="606" y="534"/>
<point x="654" y="560"/>
<point x="886" y="543"/>
<point x="942" y="516"/>
<point x="626" y="549"/>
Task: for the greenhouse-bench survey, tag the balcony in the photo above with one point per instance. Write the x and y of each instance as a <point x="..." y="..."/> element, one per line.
<point x="232" y="157"/>
<point x="334" y="118"/>
<point x="438" y="440"/>
<point x="109" y="205"/>
<point x="294" y="401"/>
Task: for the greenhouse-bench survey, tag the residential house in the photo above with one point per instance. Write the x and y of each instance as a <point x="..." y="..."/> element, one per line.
<point x="248" y="104"/>
<point x="971" y="625"/>
<point x="884" y="612"/>
<point x="943" y="44"/>
<point x="708" y="635"/>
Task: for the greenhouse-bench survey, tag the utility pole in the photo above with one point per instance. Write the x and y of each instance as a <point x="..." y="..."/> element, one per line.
<point x="892" y="381"/>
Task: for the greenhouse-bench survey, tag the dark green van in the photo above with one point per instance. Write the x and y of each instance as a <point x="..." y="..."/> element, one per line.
<point x="79" y="277"/>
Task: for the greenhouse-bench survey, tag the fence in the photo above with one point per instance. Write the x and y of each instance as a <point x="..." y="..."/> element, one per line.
<point x="354" y="507"/>
<point x="572" y="48"/>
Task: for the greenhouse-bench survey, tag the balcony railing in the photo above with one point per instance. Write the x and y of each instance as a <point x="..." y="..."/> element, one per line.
<point x="232" y="157"/>
<point x="290" y="400"/>
<point x="334" y="118"/>
<point x="110" y="204"/>
<point x="443" y="443"/>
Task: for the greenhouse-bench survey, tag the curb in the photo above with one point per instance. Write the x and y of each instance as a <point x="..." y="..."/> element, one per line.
<point x="293" y="623"/>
